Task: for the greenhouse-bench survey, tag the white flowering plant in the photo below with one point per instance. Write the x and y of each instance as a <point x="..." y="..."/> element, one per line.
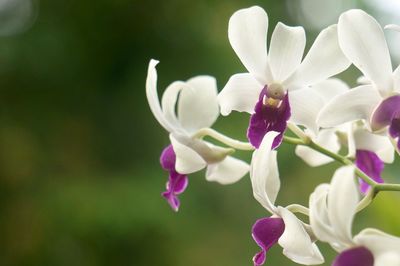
<point x="286" y="92"/>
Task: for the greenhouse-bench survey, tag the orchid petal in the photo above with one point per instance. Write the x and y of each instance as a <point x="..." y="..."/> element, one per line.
<point x="296" y="242"/>
<point x="396" y="79"/>
<point x="363" y="42"/>
<point x="239" y="94"/>
<point x="384" y="247"/>
<point x="326" y="138"/>
<point x="286" y="50"/>
<point x="152" y="97"/>
<point x="187" y="160"/>
<point x="330" y="88"/>
<point x="305" y="105"/>
<point x="264" y="173"/>
<point x="227" y="171"/>
<point x="357" y="103"/>
<point x="342" y="202"/>
<point x="198" y="105"/>
<point x="381" y="145"/>
<point x="169" y="99"/>
<point x="248" y="36"/>
<point x="358" y="256"/>
<point x="325" y="59"/>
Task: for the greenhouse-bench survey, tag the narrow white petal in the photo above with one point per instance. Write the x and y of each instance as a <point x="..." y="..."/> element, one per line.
<point x="286" y="50"/>
<point x="305" y="105"/>
<point x="356" y="104"/>
<point x="264" y="173"/>
<point x="240" y="94"/>
<point x="363" y="42"/>
<point x="381" y="145"/>
<point x="248" y="36"/>
<point x="187" y="160"/>
<point x="330" y="88"/>
<point x="326" y="138"/>
<point x="228" y="171"/>
<point x="384" y="247"/>
<point x="296" y="242"/>
<point x="392" y="27"/>
<point x="342" y="202"/>
<point x="169" y="101"/>
<point x="325" y="59"/>
<point x="152" y="96"/>
<point x="198" y="105"/>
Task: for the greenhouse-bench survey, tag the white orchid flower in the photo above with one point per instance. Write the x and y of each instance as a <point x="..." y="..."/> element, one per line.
<point x="332" y="211"/>
<point x="378" y="103"/>
<point x="197" y="108"/>
<point x="327" y="138"/>
<point x="276" y="87"/>
<point x="283" y="226"/>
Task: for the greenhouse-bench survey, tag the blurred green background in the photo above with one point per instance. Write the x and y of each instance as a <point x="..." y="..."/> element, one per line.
<point x="80" y="180"/>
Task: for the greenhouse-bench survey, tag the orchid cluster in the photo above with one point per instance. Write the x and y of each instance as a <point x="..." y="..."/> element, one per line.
<point x="294" y="99"/>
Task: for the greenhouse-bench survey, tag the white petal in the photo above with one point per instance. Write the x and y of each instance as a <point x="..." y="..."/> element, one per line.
<point x="296" y="242"/>
<point x="240" y="94"/>
<point x="342" y="202"/>
<point x="286" y="50"/>
<point x="384" y="247"/>
<point x="326" y="138"/>
<point x="169" y="99"/>
<point x="228" y="171"/>
<point x="392" y="27"/>
<point x="356" y="104"/>
<point x="330" y="88"/>
<point x="319" y="219"/>
<point x="305" y="105"/>
<point x="187" y="160"/>
<point x="325" y="59"/>
<point x="264" y="173"/>
<point x="396" y="79"/>
<point x="381" y="145"/>
<point x="362" y="80"/>
<point x="363" y="42"/>
<point x="152" y="96"/>
<point x="248" y="36"/>
<point x="198" y="105"/>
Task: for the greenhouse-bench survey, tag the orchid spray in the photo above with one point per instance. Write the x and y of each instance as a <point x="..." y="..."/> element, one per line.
<point x="284" y="91"/>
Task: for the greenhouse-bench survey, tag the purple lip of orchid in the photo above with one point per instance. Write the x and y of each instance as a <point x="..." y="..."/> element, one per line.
<point x="388" y="114"/>
<point x="266" y="232"/>
<point x="177" y="183"/>
<point x="271" y="113"/>
<point x="359" y="256"/>
<point x="371" y="165"/>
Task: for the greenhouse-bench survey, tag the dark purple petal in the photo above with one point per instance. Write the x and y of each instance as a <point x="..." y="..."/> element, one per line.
<point x="266" y="232"/>
<point x="270" y="114"/>
<point x="177" y="182"/>
<point x="385" y="112"/>
<point x="371" y="165"/>
<point x="359" y="256"/>
<point x="176" y="185"/>
<point x="168" y="158"/>
<point x="394" y="130"/>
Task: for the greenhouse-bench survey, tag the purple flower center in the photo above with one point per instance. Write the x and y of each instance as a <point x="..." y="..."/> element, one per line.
<point x="371" y="165"/>
<point x="359" y="256"/>
<point x="388" y="114"/>
<point x="271" y="113"/>
<point x="266" y="232"/>
<point x="177" y="182"/>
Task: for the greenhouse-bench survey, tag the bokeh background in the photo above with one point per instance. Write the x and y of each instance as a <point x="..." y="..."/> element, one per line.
<point x="80" y="181"/>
